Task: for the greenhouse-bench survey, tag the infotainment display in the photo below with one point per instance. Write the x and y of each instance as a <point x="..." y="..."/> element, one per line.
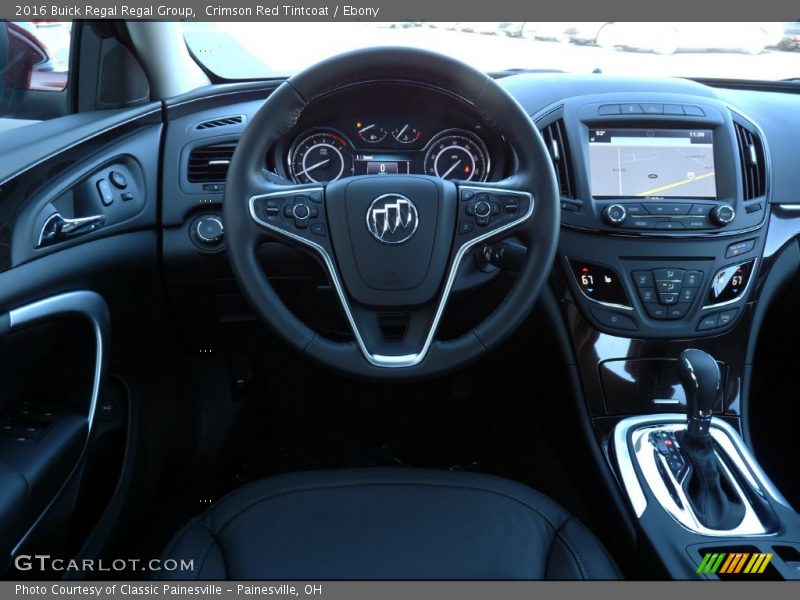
<point x="652" y="163"/>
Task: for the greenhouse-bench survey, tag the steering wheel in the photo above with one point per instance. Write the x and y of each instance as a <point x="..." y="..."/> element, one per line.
<point x="391" y="244"/>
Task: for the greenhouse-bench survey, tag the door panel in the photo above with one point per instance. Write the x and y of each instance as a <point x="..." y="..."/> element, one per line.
<point x="61" y="284"/>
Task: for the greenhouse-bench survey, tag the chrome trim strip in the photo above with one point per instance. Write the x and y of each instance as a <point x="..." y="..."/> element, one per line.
<point x="380" y="360"/>
<point x="671" y="235"/>
<point x="648" y="460"/>
<point x="91" y="306"/>
<point x="789" y="206"/>
<point x="84" y="303"/>
<point x="630" y="480"/>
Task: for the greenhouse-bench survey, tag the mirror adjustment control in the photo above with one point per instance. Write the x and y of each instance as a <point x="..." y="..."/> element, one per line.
<point x="722" y="215"/>
<point x="207" y="232"/>
<point x="614" y="214"/>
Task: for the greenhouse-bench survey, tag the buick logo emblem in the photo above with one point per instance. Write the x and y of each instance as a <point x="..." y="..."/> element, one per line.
<point x="392" y="219"/>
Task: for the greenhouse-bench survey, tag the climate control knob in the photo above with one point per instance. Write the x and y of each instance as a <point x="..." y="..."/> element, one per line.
<point x="722" y="215"/>
<point x="614" y="214"/>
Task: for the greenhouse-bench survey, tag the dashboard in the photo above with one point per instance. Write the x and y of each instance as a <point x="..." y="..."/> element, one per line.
<point x="666" y="185"/>
<point x="390" y="129"/>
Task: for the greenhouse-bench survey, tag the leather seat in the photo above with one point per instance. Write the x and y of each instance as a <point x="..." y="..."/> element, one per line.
<point x="388" y="524"/>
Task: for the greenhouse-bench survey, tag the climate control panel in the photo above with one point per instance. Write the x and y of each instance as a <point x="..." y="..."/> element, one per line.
<point x="676" y="297"/>
<point x="667" y="293"/>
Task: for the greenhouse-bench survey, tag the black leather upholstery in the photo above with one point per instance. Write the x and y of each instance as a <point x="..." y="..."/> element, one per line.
<point x="388" y="524"/>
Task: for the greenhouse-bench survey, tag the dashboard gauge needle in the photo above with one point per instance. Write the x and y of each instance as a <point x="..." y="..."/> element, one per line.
<point x="402" y="131"/>
<point x="451" y="169"/>
<point x="314" y="166"/>
<point x="367" y="128"/>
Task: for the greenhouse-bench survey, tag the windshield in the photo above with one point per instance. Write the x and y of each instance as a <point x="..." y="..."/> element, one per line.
<point x="760" y="51"/>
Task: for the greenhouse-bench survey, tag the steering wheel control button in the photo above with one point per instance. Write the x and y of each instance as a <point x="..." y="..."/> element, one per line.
<point x="740" y="248"/>
<point x="315" y="197"/>
<point x="510" y="204"/>
<point x="272" y="206"/>
<point x="106" y="196"/>
<point x="465" y="227"/>
<point x="118" y="180"/>
<point x="467" y="195"/>
<point x="483" y="209"/>
<point x="300" y="212"/>
<point x="722" y="215"/>
<point x="614" y="214"/>
<point x="613" y="320"/>
<point x="319" y="229"/>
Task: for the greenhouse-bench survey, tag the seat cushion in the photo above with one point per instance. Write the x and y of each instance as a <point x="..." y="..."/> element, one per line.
<point x="388" y="524"/>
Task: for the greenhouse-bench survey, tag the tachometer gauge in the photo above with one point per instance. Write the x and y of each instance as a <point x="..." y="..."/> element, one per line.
<point x="406" y="134"/>
<point x="370" y="132"/>
<point x="457" y="154"/>
<point x="319" y="157"/>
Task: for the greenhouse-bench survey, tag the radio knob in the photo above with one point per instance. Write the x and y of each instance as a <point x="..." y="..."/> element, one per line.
<point x="614" y="214"/>
<point x="722" y="215"/>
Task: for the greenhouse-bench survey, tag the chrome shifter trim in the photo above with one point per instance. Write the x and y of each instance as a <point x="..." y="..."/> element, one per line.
<point x="637" y="429"/>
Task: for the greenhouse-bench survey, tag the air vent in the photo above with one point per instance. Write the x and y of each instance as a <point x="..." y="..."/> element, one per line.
<point x="751" y="155"/>
<point x="555" y="138"/>
<point x="220" y="122"/>
<point x="210" y="163"/>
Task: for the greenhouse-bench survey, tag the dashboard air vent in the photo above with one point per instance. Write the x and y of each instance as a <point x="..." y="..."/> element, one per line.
<point x="210" y="163"/>
<point x="220" y="122"/>
<point x="555" y="138"/>
<point x="751" y="155"/>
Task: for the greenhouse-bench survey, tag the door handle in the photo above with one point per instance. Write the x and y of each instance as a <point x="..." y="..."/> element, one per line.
<point x="58" y="228"/>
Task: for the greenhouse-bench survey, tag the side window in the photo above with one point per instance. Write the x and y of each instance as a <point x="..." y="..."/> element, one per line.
<point x="34" y="68"/>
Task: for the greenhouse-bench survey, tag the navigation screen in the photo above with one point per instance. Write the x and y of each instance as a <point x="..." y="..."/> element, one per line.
<point x="652" y="163"/>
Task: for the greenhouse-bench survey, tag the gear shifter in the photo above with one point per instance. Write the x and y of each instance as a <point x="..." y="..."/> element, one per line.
<point x="700" y="378"/>
<point x="715" y="502"/>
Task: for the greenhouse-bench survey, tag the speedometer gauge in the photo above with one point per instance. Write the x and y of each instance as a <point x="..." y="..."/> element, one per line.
<point x="320" y="157"/>
<point x="457" y="154"/>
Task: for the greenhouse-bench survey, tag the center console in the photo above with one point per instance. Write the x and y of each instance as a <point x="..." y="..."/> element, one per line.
<point x="669" y="248"/>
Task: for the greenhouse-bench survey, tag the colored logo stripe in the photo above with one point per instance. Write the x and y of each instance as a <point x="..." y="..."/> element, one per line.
<point x="733" y="563"/>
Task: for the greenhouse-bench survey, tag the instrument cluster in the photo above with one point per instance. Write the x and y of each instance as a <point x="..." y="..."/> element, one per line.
<point x="387" y="145"/>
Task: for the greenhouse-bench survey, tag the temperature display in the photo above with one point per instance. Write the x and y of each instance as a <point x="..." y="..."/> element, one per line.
<point x="729" y="283"/>
<point x="599" y="283"/>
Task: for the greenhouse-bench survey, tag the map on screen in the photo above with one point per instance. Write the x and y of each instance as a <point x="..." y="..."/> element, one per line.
<point x="652" y="163"/>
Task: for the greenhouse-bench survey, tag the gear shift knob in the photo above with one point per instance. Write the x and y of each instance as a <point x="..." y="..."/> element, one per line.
<point x="700" y="378"/>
